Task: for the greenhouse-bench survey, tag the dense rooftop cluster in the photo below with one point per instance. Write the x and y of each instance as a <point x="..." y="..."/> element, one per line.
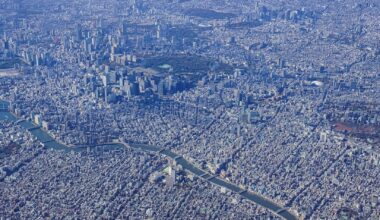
<point x="103" y="184"/>
<point x="280" y="98"/>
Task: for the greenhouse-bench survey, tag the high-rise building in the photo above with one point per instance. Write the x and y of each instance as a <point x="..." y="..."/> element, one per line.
<point x="323" y="137"/>
<point x="170" y="178"/>
<point x="161" y="88"/>
<point x="37" y="119"/>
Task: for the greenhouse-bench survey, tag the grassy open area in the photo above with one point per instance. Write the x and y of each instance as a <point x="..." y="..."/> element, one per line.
<point x="9" y="63"/>
<point x="183" y="64"/>
<point x="209" y="14"/>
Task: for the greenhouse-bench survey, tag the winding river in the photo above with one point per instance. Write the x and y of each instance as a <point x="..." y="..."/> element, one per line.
<point x="48" y="141"/>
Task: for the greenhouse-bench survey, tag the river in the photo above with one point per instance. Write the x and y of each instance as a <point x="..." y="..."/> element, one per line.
<point x="50" y="142"/>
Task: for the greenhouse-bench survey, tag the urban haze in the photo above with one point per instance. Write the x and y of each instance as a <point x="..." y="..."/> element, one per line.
<point x="190" y="109"/>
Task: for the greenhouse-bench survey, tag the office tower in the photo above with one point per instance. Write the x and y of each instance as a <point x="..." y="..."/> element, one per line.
<point x="323" y="137"/>
<point x="161" y="88"/>
<point x="170" y="178"/>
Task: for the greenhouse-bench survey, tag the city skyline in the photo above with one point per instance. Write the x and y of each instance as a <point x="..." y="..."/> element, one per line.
<point x="127" y="109"/>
